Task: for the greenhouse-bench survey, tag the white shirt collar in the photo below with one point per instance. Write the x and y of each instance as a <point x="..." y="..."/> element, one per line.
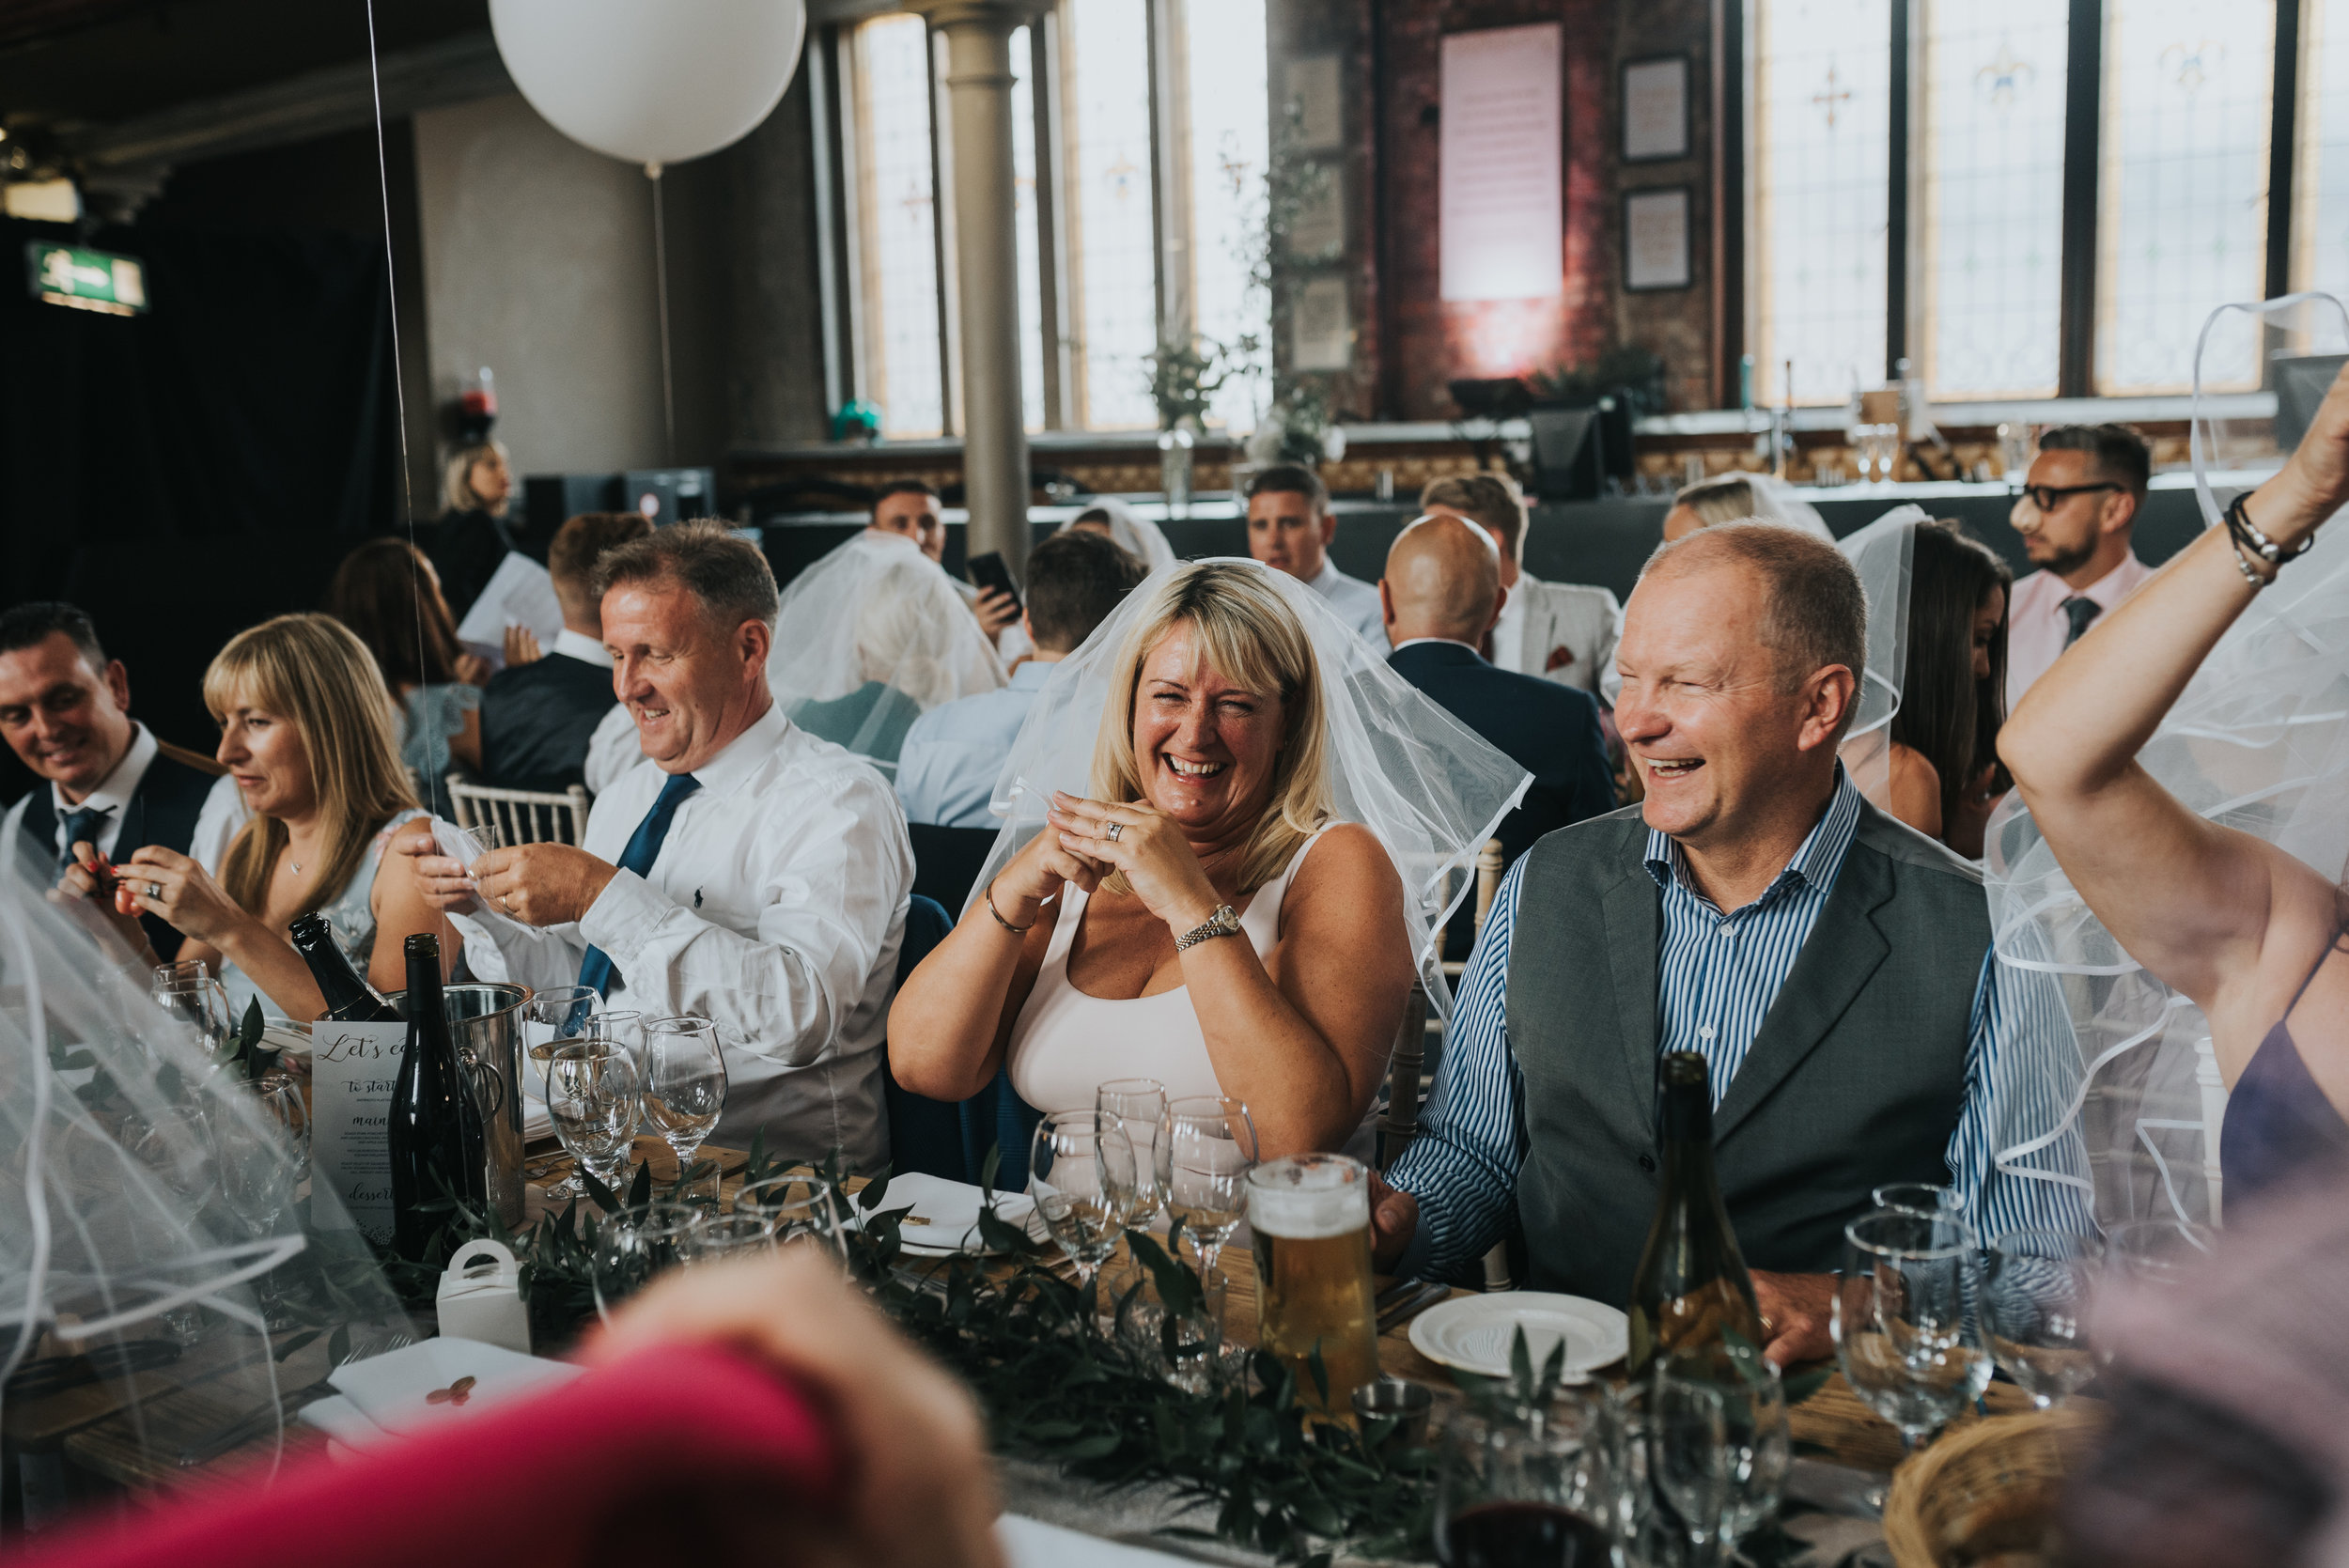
<point x="1444" y="642"/>
<point x="578" y="644"/>
<point x="115" y="790"/>
<point x="722" y="773"/>
<point x="2116" y="584"/>
<point x="1322" y="580"/>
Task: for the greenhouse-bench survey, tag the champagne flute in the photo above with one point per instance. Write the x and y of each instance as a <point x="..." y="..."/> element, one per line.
<point x="594" y="1099"/>
<point x="1906" y="1341"/>
<point x="1139" y="1104"/>
<point x="1081" y="1172"/>
<point x="2036" y="1288"/>
<point x="1206" y="1147"/>
<point x="556" y="1013"/>
<point x="684" y="1083"/>
<point x="1689" y="1456"/>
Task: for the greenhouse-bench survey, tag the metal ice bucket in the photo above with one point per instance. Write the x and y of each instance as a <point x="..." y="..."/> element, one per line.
<point x="485" y="1025"/>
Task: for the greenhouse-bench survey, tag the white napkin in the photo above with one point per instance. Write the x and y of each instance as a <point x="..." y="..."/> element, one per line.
<point x="947" y="1213"/>
<point x="391" y="1391"/>
<point x="1033" y="1543"/>
<point x="340" y="1420"/>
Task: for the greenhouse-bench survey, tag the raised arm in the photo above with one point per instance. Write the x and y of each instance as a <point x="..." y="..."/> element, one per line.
<point x="2215" y="913"/>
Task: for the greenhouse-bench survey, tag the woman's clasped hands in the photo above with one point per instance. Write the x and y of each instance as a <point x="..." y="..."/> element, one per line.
<point x="1099" y="840"/>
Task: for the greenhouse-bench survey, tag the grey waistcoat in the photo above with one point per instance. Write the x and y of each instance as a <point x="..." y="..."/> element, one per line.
<point x="1855" y="1079"/>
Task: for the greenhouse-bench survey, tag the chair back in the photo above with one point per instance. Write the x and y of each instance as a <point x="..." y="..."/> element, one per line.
<point x="946" y="861"/>
<point x="1400" y="1124"/>
<point x="946" y="1137"/>
<point x="521" y="815"/>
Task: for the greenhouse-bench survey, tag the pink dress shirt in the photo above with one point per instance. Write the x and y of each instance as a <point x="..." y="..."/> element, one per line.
<point x="2036" y="625"/>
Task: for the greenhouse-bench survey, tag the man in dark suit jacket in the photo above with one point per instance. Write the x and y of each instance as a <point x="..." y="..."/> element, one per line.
<point x="1440" y="595"/>
<point x="537" y="718"/>
<point x="110" y="784"/>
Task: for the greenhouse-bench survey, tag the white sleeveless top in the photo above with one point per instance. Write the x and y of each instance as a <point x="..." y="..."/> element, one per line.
<point x="1067" y="1044"/>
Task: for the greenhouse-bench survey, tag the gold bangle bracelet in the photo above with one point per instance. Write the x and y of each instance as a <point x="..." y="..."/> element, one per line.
<point x="989" y="899"/>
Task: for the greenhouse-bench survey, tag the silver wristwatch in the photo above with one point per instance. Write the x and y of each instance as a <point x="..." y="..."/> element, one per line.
<point x="1221" y="923"/>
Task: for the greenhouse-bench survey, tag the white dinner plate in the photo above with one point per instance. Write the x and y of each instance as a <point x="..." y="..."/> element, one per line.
<point x="1472" y="1333"/>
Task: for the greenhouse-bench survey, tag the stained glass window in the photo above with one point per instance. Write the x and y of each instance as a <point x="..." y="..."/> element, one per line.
<point x="2320" y="217"/>
<point x="1113" y="272"/>
<point x="1229" y="125"/>
<point x="1822" y="128"/>
<point x="1992" y="81"/>
<point x="898" y="216"/>
<point x="2182" y="192"/>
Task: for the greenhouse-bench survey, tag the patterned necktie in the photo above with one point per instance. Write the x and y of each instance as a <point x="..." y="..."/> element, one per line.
<point x="644" y="848"/>
<point x="2081" y="610"/>
<point x="79" y="826"/>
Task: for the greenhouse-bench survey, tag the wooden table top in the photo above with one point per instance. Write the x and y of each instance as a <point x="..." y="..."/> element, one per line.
<point x="215" y="1382"/>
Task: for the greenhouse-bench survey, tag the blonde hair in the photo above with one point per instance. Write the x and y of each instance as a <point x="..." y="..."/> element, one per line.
<point x="312" y="670"/>
<point x="1722" y="498"/>
<point x="457" y="491"/>
<point x="1250" y="638"/>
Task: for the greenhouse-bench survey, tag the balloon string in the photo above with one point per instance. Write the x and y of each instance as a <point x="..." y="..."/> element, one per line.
<point x="660" y="285"/>
<point x="391" y="296"/>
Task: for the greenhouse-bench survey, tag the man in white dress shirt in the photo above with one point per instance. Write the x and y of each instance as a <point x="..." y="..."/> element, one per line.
<point x="1290" y="527"/>
<point x="744" y="871"/>
<point x="1561" y="631"/>
<point x="2076" y="514"/>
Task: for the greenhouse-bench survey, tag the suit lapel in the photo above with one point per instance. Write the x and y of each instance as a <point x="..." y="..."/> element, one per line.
<point x="1844" y="950"/>
<point x="1633" y="923"/>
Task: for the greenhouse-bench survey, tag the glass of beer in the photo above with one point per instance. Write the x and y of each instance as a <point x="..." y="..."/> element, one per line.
<point x="1311" y="1216"/>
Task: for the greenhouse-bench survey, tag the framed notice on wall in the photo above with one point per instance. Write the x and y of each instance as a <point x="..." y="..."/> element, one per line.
<point x="1655" y="109"/>
<point x="1656" y="239"/>
<point x="1501" y="207"/>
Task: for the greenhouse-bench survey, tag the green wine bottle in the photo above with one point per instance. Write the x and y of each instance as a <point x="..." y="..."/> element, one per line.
<point x="1691" y="1287"/>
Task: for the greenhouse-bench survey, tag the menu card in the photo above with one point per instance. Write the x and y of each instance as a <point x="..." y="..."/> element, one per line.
<point x="352" y="1068"/>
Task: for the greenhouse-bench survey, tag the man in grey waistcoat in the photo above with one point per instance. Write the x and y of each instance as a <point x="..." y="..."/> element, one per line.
<point x="1832" y="967"/>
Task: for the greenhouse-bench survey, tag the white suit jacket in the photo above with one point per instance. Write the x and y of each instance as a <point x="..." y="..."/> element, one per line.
<point x="1561" y="631"/>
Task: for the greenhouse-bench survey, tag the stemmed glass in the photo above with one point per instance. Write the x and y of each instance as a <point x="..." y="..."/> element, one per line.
<point x="1688" y="1430"/>
<point x="175" y="1142"/>
<point x="1081" y="1172"/>
<point x="795" y="1208"/>
<point x="1904" y="1337"/>
<point x="2035" y="1287"/>
<point x="684" y="1083"/>
<point x="1931" y="1197"/>
<point x="594" y="1099"/>
<point x="723" y="1235"/>
<point x="636" y="1244"/>
<point x="2158" y="1252"/>
<point x="1523" y="1487"/>
<point x="1139" y="1104"/>
<point x="1760" y="1449"/>
<point x="557" y="1013"/>
<point x="259" y="1173"/>
<point x="1206" y="1147"/>
<point x="199" y="1004"/>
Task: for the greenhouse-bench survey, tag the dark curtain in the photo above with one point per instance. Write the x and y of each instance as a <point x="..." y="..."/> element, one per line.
<point x="186" y="473"/>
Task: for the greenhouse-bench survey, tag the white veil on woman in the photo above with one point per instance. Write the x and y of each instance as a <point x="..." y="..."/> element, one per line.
<point x="2258" y="741"/>
<point x="1775" y="500"/>
<point x="1432" y="790"/>
<point x="871" y="637"/>
<point x="1130" y="530"/>
<point x="1884" y="554"/>
<point x="152" y="1216"/>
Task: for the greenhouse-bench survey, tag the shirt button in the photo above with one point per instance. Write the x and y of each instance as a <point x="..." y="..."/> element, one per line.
<point x="1647" y="1162"/>
<point x="1724" y="930"/>
<point x="1704" y="1032"/>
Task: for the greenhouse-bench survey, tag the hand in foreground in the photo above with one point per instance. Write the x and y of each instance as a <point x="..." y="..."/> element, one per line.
<point x="161" y="881"/>
<point x="1794" y="1315"/>
<point x="1394" y="1221"/>
<point x="1036" y="875"/>
<point x="1149" y="848"/>
<point x="995" y="610"/>
<point x="920" y="1490"/>
<point x="541" y="884"/>
<point x="473" y="669"/>
<point x="522" y="646"/>
<point x="443" y="879"/>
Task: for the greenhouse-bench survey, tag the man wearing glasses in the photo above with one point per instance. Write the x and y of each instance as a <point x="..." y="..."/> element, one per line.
<point x="2075" y="516"/>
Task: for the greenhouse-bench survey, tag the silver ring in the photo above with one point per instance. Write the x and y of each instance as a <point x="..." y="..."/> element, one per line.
<point x="154" y="890"/>
<point x="506" y="902"/>
<point x="1115" y="828"/>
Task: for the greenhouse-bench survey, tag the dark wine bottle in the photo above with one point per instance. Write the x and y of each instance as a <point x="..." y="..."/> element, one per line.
<point x="349" y="997"/>
<point x="435" y="1135"/>
<point x="1692" y="1286"/>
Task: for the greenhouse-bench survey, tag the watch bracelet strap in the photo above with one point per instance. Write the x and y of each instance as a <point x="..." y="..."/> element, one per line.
<point x="1223" y="923"/>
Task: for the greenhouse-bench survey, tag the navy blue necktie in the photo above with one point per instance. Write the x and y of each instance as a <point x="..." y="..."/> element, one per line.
<point x="81" y="826"/>
<point x="2079" y="610"/>
<point x="644" y="848"/>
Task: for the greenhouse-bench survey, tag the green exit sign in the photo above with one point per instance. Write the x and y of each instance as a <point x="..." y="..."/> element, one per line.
<point x="85" y="279"/>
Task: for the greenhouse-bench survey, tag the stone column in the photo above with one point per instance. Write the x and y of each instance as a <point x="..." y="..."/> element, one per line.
<point x="987" y="267"/>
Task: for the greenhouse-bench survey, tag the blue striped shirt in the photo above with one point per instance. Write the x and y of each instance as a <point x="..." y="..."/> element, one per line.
<point x="1716" y="976"/>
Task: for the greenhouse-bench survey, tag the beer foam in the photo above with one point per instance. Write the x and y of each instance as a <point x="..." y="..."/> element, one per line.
<point x="1307" y="1203"/>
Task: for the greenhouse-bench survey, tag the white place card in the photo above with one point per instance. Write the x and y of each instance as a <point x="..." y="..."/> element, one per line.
<point x="352" y="1069"/>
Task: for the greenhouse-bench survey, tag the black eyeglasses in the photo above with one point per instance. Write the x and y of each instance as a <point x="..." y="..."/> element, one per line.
<point x="2048" y="497"/>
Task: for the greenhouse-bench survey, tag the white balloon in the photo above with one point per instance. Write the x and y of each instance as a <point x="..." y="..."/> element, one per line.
<point x="651" y="81"/>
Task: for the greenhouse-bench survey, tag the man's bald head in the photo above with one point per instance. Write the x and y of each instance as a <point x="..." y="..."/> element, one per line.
<point x="1442" y="580"/>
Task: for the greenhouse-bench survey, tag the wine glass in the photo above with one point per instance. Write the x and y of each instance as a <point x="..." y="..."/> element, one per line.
<point x="1522" y="1487"/>
<point x="636" y="1244"/>
<point x="259" y="1168"/>
<point x="1760" y="1449"/>
<point x="1139" y="1103"/>
<point x="200" y="1006"/>
<point x="2035" y="1287"/>
<point x="594" y="1099"/>
<point x="175" y="1142"/>
<point x="556" y="1013"/>
<point x="2158" y="1252"/>
<point x="1932" y="1197"/>
<point x="684" y="1083"/>
<point x="795" y="1208"/>
<point x="1081" y="1172"/>
<point x="1205" y="1149"/>
<point x="723" y="1235"/>
<point x="1904" y="1336"/>
<point x="1688" y="1431"/>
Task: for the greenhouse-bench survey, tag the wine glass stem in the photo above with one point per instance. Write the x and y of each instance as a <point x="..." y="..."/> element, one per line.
<point x="1209" y="1253"/>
